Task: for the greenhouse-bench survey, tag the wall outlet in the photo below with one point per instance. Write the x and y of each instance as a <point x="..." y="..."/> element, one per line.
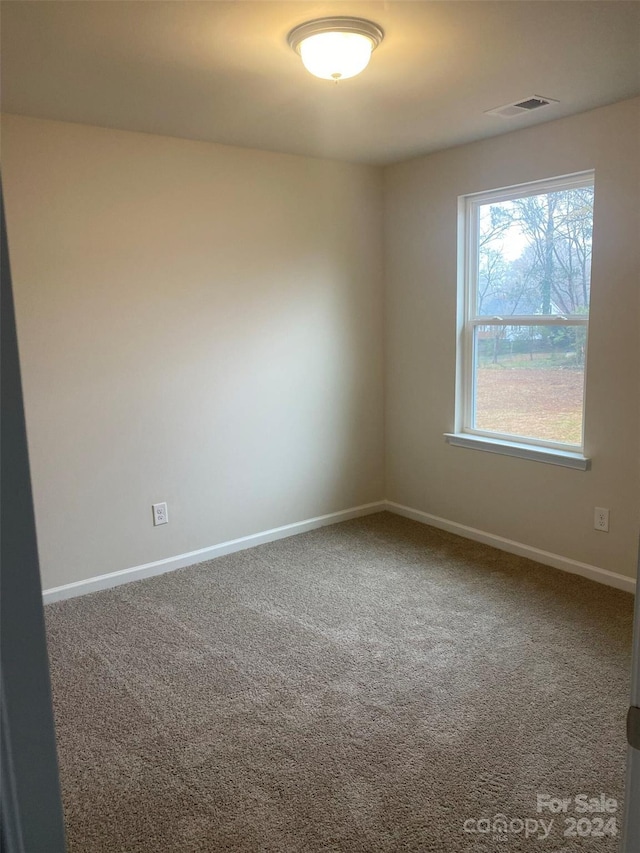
<point x="601" y="519"/>
<point x="160" y="514"/>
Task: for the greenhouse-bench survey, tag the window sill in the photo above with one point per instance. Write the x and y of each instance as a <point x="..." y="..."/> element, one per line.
<point x="566" y="458"/>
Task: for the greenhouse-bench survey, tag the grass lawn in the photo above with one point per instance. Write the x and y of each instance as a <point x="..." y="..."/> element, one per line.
<point x="539" y="397"/>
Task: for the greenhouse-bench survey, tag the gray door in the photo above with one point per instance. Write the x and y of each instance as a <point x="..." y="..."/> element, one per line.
<point x="631" y="834"/>
<point x="30" y="793"/>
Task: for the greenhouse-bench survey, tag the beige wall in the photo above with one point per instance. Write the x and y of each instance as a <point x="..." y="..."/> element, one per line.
<point x="530" y="502"/>
<point x="197" y="324"/>
<point x="204" y="325"/>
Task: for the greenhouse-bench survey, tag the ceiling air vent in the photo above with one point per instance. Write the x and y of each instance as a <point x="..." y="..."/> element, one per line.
<point x="527" y="105"/>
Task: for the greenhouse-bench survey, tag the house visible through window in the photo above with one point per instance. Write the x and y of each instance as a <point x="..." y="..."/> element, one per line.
<point x="523" y="338"/>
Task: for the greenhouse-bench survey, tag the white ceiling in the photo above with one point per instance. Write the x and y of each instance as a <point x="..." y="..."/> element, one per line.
<point x="223" y="72"/>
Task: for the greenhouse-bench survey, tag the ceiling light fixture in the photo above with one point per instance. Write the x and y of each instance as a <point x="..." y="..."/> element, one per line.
<point x="336" y="48"/>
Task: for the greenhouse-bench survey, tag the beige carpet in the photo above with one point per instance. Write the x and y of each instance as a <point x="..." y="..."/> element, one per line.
<point x="366" y="687"/>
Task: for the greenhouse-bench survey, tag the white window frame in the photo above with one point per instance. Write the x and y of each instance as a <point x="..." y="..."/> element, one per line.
<point x="465" y="434"/>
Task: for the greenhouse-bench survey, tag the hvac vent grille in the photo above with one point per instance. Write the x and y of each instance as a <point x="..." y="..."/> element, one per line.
<point x="533" y="103"/>
<point x="518" y="108"/>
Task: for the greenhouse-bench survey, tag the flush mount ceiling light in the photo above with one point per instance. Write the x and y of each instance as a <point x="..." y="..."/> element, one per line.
<point x="336" y="48"/>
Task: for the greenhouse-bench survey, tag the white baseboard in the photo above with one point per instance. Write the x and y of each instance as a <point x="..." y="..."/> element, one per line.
<point x="159" y="567"/>
<point x="545" y="557"/>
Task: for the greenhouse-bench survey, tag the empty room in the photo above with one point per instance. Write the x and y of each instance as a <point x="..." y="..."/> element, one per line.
<point x="321" y="325"/>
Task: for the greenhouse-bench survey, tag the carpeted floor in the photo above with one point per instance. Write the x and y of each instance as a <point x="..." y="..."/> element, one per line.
<point x="366" y="687"/>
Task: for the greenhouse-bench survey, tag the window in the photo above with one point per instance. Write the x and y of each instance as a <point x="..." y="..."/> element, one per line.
<point x="525" y="287"/>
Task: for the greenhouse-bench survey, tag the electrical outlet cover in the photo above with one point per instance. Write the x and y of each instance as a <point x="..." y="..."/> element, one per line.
<point x="160" y="514"/>
<point x="601" y="519"/>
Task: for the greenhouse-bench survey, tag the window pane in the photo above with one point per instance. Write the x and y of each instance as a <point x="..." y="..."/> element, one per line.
<point x="529" y="381"/>
<point x="534" y="254"/>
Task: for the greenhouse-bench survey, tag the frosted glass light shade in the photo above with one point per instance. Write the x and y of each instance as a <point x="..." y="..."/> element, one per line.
<point x="336" y="48"/>
<point x="336" y="56"/>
